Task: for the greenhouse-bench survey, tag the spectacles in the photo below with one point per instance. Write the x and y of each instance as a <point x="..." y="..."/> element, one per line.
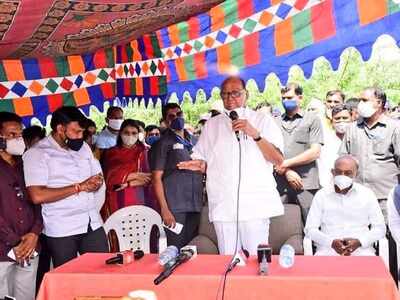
<point x="233" y="94"/>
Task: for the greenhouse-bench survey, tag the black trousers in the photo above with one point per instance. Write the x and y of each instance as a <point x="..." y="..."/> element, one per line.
<point x="44" y="261"/>
<point x="64" y="249"/>
<point x="190" y="222"/>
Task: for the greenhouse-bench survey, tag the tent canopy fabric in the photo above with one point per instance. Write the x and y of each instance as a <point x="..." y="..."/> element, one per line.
<point x="250" y="37"/>
<point x="37" y="28"/>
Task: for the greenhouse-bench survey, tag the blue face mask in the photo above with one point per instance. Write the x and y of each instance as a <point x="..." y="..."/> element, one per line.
<point x="290" y="105"/>
<point x="152" y="139"/>
<point x="178" y="123"/>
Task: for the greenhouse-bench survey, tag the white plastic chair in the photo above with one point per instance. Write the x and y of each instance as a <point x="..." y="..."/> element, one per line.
<point x="382" y="246"/>
<point x="133" y="225"/>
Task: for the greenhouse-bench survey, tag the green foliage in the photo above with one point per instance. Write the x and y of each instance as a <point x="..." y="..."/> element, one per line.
<point x="351" y="77"/>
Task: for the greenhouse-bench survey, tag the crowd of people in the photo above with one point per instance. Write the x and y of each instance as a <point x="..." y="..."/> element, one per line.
<point x="337" y="159"/>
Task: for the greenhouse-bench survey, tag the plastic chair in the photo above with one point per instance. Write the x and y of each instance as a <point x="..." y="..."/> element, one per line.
<point x="381" y="247"/>
<point x="133" y="224"/>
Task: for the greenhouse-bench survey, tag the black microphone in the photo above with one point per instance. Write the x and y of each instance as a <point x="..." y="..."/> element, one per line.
<point x="264" y="253"/>
<point x="180" y="259"/>
<point x="234" y="116"/>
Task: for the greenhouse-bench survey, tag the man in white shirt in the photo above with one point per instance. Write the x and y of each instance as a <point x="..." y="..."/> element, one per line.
<point x="63" y="176"/>
<point x="108" y="137"/>
<point x="240" y="188"/>
<point x="340" y="215"/>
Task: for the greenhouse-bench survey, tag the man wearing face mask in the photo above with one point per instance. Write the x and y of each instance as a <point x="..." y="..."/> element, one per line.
<point x="375" y="141"/>
<point x="108" y="137"/>
<point x="179" y="192"/>
<point x="63" y="176"/>
<point x="20" y="220"/>
<point x="297" y="177"/>
<point x="345" y="218"/>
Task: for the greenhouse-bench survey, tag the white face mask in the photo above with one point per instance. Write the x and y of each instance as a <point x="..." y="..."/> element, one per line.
<point x="115" y="123"/>
<point x="341" y="127"/>
<point x="141" y="137"/>
<point x="129" y="140"/>
<point x="16" y="146"/>
<point x="366" y="109"/>
<point x="343" y="182"/>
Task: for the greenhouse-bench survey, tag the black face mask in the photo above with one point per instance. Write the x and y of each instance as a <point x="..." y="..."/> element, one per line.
<point x="74" y="144"/>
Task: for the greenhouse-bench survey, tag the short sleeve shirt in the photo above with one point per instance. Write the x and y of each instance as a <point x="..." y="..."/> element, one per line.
<point x="183" y="188"/>
<point x="106" y="139"/>
<point x="47" y="164"/>
<point x="378" y="152"/>
<point x="299" y="133"/>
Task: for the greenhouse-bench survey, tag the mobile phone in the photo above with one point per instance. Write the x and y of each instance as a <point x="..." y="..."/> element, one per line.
<point x="116" y="187"/>
<point x="6" y="297"/>
<point x="177" y="229"/>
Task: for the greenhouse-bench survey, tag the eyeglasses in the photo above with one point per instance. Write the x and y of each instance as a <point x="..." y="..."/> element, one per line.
<point x="233" y="94"/>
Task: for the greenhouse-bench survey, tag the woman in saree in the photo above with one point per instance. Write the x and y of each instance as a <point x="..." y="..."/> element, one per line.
<point x="127" y="173"/>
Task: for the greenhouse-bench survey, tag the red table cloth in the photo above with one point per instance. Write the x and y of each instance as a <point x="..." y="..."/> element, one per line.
<point x="311" y="277"/>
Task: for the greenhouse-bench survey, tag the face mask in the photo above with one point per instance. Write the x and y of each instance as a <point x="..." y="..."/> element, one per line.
<point x="115" y="123"/>
<point x="178" y="124"/>
<point x="366" y="109"/>
<point x="290" y="105"/>
<point x="343" y="182"/>
<point x="74" y="144"/>
<point x="341" y="127"/>
<point x="141" y="137"/>
<point x="15" y="146"/>
<point x="129" y="140"/>
<point x="152" y="139"/>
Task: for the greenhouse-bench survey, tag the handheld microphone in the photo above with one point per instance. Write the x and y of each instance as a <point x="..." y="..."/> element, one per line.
<point x="180" y="259"/>
<point x="264" y="257"/>
<point x="125" y="257"/>
<point x="234" y="116"/>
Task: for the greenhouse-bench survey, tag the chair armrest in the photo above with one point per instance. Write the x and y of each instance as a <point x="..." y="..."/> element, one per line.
<point x="307" y="245"/>
<point x="383" y="250"/>
<point x="296" y="241"/>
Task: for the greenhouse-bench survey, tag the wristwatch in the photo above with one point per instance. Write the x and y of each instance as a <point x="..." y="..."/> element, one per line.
<point x="257" y="139"/>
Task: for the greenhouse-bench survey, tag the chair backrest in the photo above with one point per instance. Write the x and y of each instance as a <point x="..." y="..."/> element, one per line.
<point x="133" y="225"/>
<point x="287" y="228"/>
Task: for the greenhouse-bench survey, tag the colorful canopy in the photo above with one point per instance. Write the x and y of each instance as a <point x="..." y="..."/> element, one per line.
<point x="252" y="36"/>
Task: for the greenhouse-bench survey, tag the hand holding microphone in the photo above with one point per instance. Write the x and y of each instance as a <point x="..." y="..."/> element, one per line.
<point x="242" y="125"/>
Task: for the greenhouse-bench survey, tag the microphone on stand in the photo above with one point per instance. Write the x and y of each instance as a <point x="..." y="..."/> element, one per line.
<point x="180" y="259"/>
<point x="264" y="257"/>
<point x="234" y="116"/>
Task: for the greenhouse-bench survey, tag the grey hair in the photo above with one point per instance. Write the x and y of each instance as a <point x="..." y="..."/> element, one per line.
<point x="348" y="157"/>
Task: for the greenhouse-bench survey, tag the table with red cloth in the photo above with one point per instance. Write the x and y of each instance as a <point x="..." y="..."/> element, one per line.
<point x="311" y="277"/>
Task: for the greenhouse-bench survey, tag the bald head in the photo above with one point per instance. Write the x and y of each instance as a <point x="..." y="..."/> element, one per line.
<point x="346" y="165"/>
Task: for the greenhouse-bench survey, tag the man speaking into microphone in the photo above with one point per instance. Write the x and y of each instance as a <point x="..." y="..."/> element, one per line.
<point x="237" y="150"/>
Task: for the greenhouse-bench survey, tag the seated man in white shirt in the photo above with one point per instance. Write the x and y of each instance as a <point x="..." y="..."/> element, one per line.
<point x="340" y="215"/>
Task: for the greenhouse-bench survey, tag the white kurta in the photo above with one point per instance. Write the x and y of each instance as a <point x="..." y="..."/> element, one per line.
<point x="219" y="147"/>
<point x="336" y="216"/>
